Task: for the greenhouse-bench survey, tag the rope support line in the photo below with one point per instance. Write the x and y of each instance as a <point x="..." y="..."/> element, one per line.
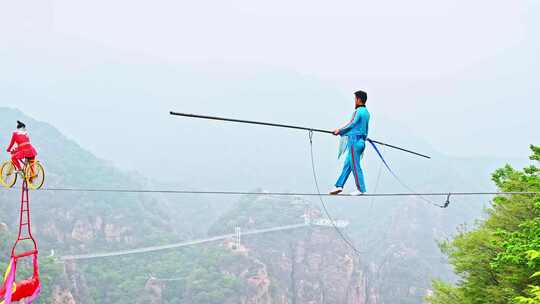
<point x="346" y="239"/>
<point x="270" y="124"/>
<point x="200" y="192"/>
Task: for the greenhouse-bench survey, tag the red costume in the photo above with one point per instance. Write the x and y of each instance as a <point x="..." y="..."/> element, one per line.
<point x="23" y="150"/>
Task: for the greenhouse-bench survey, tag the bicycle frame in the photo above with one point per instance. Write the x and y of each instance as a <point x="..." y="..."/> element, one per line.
<point x="25" y="163"/>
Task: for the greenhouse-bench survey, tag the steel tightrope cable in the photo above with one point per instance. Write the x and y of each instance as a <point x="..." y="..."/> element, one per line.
<point x="261" y="193"/>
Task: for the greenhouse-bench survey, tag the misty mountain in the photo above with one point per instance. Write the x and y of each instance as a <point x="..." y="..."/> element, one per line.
<point x="395" y="234"/>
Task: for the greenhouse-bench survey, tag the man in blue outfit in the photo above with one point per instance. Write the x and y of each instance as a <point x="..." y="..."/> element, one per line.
<point x="356" y="132"/>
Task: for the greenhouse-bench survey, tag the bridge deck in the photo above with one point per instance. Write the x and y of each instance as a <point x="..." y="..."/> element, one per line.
<point x="177" y="245"/>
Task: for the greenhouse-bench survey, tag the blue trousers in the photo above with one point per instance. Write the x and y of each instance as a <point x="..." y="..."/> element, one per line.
<point x="352" y="163"/>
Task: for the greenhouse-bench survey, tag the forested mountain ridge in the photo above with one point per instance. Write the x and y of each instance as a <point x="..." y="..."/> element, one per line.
<point x="74" y="221"/>
<point x="397" y="237"/>
<point x="79" y="222"/>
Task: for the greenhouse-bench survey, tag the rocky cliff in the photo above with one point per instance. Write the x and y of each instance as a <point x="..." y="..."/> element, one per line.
<point x="313" y="265"/>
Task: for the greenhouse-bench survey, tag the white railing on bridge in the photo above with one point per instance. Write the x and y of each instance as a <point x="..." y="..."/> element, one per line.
<point x="177" y="245"/>
<point x="236" y="236"/>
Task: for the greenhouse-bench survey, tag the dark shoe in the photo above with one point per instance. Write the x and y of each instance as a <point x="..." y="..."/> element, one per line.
<point x="336" y="191"/>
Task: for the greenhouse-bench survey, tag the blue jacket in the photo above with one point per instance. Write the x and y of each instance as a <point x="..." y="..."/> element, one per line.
<point x="358" y="125"/>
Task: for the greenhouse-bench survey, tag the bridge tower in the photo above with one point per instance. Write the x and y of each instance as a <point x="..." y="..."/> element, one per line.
<point x="237" y="237"/>
<point x="307" y="215"/>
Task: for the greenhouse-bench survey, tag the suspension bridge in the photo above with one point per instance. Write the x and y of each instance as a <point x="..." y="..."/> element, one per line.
<point x="236" y="236"/>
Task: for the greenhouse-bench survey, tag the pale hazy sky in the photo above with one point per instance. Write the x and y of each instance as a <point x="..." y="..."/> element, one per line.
<point x="460" y="75"/>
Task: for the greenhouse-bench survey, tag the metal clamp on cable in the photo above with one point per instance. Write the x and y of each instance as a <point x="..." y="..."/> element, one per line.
<point x="447" y="203"/>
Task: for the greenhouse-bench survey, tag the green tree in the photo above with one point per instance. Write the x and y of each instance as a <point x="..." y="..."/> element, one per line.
<point x="498" y="261"/>
<point x="533" y="296"/>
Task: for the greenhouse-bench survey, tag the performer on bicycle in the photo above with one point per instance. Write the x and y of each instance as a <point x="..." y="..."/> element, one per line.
<point x="23" y="149"/>
<point x="356" y="132"/>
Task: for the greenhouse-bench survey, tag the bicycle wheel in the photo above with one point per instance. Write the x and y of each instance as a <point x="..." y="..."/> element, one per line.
<point x="8" y="177"/>
<point x="34" y="174"/>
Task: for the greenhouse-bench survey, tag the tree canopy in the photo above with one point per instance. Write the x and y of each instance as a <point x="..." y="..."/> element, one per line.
<point x="499" y="260"/>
